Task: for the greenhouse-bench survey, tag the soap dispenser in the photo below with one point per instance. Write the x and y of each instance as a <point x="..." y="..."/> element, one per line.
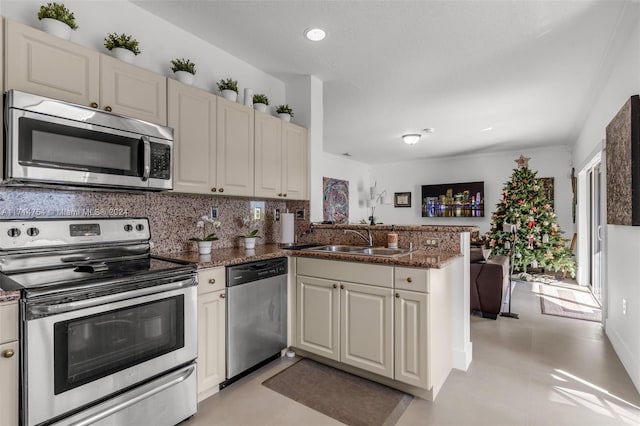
<point x="392" y="238"/>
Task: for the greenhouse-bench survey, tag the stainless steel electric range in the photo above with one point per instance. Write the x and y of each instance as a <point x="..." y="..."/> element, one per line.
<point x="108" y="332"/>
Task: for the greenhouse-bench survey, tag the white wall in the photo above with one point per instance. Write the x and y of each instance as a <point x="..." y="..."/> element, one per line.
<point x="622" y="243"/>
<point x="159" y="40"/>
<point x="494" y="169"/>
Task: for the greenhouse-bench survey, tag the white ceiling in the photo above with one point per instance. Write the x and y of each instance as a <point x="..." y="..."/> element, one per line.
<point x="528" y="69"/>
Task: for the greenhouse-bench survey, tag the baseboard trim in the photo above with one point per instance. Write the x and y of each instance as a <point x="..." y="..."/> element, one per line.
<point x="462" y="358"/>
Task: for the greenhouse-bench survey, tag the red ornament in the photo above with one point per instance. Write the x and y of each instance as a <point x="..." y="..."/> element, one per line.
<point x="520" y="201"/>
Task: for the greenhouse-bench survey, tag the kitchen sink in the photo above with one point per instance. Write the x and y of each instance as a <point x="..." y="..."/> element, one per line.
<point x="361" y="250"/>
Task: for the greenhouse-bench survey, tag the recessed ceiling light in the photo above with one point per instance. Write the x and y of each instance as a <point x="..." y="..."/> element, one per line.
<point x="487" y="129"/>
<point x="315" y="34"/>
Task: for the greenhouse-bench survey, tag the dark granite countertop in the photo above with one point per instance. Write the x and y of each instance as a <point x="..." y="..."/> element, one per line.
<point x="7" y="296"/>
<point x="234" y="256"/>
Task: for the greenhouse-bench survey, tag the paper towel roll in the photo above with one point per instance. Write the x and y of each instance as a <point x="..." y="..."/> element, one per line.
<point x="286" y="228"/>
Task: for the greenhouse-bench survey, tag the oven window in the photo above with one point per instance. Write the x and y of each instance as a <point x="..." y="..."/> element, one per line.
<point x="89" y="348"/>
<point x="52" y="145"/>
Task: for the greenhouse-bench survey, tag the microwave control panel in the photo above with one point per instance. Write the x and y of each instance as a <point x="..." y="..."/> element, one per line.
<point x="160" y="161"/>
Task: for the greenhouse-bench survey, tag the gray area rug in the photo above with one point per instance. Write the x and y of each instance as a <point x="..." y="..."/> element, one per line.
<point x="570" y="303"/>
<point x="347" y="398"/>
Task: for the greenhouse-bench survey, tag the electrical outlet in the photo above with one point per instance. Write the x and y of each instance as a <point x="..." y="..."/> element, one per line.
<point x="276" y="215"/>
<point x="214" y="213"/>
<point x="624" y="306"/>
<point x="432" y="242"/>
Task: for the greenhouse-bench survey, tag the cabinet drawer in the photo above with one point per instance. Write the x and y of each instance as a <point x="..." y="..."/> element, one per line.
<point x="210" y="280"/>
<point x="8" y="322"/>
<point x="412" y="279"/>
<point x="363" y="273"/>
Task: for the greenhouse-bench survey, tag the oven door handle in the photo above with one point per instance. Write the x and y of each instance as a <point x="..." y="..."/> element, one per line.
<point x="101" y="300"/>
<point x="132" y="397"/>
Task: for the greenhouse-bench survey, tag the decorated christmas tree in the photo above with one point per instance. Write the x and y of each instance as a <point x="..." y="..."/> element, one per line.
<point x="537" y="239"/>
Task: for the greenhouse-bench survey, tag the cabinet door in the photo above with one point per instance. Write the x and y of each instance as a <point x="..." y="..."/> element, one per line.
<point x="366" y="334"/>
<point x="9" y="379"/>
<point x="45" y="65"/>
<point x="135" y="92"/>
<point x="318" y="316"/>
<point x="411" y="335"/>
<point x="192" y="114"/>
<point x="234" y="174"/>
<point x="295" y="161"/>
<point x="211" y="342"/>
<point x="268" y="143"/>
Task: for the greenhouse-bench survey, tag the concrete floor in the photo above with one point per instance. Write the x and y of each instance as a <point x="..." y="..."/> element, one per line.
<point x="536" y="370"/>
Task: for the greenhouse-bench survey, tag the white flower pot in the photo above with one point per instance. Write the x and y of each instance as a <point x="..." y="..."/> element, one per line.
<point x="284" y="116"/>
<point x="123" y="54"/>
<point x="204" y="247"/>
<point x="260" y="107"/>
<point x="56" y="28"/>
<point x="184" y="77"/>
<point x="249" y="243"/>
<point x="230" y="95"/>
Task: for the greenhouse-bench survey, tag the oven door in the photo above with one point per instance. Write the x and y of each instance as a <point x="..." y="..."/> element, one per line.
<point x="57" y="150"/>
<point x="83" y="356"/>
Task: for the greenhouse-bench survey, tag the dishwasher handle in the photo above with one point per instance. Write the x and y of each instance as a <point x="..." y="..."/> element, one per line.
<point x="254" y="271"/>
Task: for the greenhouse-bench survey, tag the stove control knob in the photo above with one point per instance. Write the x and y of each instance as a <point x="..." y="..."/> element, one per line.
<point x="33" y="232"/>
<point x="13" y="232"/>
<point x="139" y="227"/>
<point x="128" y="227"/>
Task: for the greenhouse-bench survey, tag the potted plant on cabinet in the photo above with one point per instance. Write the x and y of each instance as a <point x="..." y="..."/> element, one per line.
<point x="204" y="243"/>
<point x="285" y="112"/>
<point x="260" y="102"/>
<point x="229" y="89"/>
<point x="123" y="46"/>
<point x="57" y="20"/>
<point x="184" y="70"/>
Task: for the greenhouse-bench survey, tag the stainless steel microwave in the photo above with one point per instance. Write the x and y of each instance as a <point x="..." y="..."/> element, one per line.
<point x="50" y="142"/>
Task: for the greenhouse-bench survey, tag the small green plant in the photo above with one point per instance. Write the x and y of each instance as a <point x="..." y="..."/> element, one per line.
<point x="252" y="234"/>
<point x="183" y="65"/>
<point x="202" y="223"/>
<point x="58" y="12"/>
<point x="260" y="99"/>
<point x="113" y="40"/>
<point x="228" y="84"/>
<point x="284" y="109"/>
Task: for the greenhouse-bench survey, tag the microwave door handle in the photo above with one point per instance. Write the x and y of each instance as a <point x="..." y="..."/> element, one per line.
<point x="146" y="171"/>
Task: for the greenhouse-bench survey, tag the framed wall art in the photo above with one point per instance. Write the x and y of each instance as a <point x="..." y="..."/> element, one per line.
<point x="402" y="199"/>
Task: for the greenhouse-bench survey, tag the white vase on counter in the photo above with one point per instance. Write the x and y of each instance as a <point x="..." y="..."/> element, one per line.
<point x="249" y="243"/>
<point x="204" y="247"/>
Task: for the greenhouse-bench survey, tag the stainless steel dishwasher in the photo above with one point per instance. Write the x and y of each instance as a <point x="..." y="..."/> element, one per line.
<point x="256" y="315"/>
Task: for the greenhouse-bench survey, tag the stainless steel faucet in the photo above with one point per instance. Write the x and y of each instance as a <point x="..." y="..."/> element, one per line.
<point x="368" y="238"/>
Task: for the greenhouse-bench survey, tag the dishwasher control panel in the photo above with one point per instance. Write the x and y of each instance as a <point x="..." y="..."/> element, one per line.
<point x="254" y="271"/>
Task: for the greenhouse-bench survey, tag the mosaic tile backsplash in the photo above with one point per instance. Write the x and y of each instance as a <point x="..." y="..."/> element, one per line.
<point x="172" y="217"/>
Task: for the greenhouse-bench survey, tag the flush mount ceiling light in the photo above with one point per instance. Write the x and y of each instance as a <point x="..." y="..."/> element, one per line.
<point x="315" y="34"/>
<point x="411" y="138"/>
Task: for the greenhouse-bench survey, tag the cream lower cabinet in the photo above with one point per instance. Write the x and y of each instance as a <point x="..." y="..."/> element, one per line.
<point x="46" y="65"/>
<point x="9" y="363"/>
<point x="211" y="331"/>
<point x="366" y="328"/>
<point x="192" y="114"/>
<point x="318" y="316"/>
<point x="411" y="338"/>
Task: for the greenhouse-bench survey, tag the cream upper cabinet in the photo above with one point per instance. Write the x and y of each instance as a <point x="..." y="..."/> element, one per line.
<point x="132" y="91"/>
<point x="269" y="155"/>
<point x="366" y="328"/>
<point x="9" y="363"/>
<point x="318" y="316"/>
<point x="235" y="149"/>
<point x="295" y="161"/>
<point x="192" y="114"/>
<point x="42" y="64"/>
<point x="281" y="158"/>
<point x="49" y="66"/>
<point x="411" y="335"/>
<point x="211" y="331"/>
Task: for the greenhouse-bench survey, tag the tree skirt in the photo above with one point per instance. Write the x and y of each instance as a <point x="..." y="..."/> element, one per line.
<point x="568" y="303"/>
